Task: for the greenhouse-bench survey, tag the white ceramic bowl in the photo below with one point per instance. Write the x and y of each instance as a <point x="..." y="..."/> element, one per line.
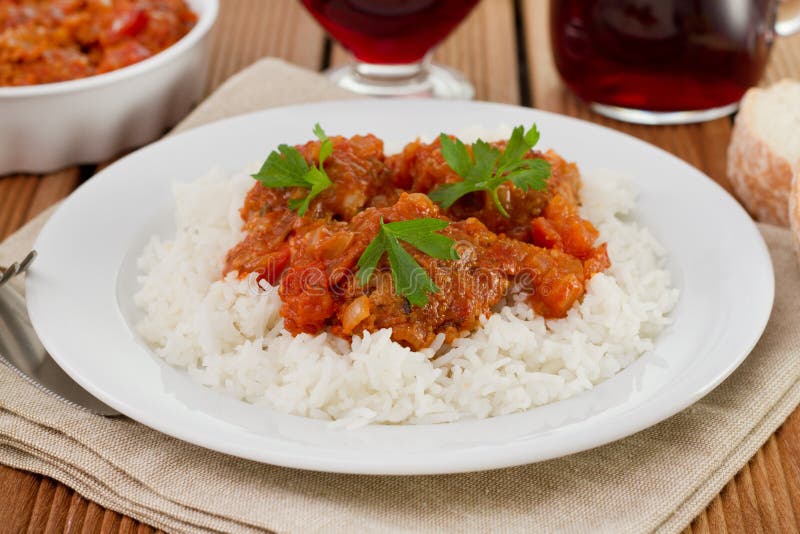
<point x="50" y="126"/>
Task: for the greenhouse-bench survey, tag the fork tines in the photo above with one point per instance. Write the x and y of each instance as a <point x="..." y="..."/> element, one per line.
<point x="17" y="268"/>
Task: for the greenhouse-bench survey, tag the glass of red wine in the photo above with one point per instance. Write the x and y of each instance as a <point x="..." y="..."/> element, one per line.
<point x="664" y="61"/>
<point x="391" y="42"/>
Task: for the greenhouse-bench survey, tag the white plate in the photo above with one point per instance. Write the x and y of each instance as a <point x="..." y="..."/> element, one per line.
<point x="79" y="296"/>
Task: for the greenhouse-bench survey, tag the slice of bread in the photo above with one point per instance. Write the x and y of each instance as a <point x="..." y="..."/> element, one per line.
<point x="765" y="150"/>
<point x="794" y="210"/>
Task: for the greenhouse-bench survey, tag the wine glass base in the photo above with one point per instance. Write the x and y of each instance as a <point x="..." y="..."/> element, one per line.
<point x="435" y="81"/>
<point x="660" y="118"/>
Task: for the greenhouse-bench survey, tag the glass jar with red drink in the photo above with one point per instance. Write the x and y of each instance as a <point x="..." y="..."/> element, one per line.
<point x="663" y="61"/>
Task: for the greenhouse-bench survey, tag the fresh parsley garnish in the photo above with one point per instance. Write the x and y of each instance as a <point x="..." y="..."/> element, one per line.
<point x="286" y="167"/>
<point x="487" y="168"/>
<point x="410" y="279"/>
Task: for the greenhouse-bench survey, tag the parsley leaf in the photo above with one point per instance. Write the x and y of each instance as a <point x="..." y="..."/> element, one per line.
<point x="487" y="168"/>
<point x="410" y="279"/>
<point x="286" y="167"/>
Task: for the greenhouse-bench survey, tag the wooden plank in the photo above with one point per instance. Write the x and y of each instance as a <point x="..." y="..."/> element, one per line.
<point x="111" y="521"/>
<point x="700" y="524"/>
<point x="731" y="508"/>
<point x="248" y="30"/>
<point x="127" y="525"/>
<point x="93" y="521"/>
<point x="779" y="486"/>
<point x="14" y="201"/>
<point x="765" y="498"/>
<point x="484" y="49"/>
<point x="24" y="197"/>
<point x="488" y="33"/>
<point x="51" y="189"/>
<point x="41" y="506"/>
<point x="76" y="512"/>
<point x="747" y="497"/>
<point x="18" y="489"/>
<point x="59" y="508"/>
<point x="784" y="61"/>
<point x="5" y="194"/>
<point x="716" y="516"/>
<point x="788" y="441"/>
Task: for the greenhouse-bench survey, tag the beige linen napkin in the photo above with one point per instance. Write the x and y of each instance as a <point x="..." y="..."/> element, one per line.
<point x="658" y="479"/>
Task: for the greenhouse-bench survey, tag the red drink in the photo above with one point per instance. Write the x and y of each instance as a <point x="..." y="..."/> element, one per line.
<point x="662" y="55"/>
<point x="389" y="31"/>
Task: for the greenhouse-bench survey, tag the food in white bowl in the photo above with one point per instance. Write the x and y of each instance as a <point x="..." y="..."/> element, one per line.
<point x="351" y="285"/>
<point x="120" y="97"/>
<point x="62" y="40"/>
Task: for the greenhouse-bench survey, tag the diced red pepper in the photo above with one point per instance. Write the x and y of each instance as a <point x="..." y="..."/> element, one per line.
<point x="276" y="262"/>
<point x="562" y="228"/>
<point x="126" y="24"/>
<point x="597" y="262"/>
<point x="307" y="301"/>
<point x="121" y="55"/>
<point x="544" y="235"/>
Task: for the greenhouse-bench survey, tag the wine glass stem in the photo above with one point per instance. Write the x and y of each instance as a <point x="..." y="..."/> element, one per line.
<point x="392" y="74"/>
<point x="421" y="78"/>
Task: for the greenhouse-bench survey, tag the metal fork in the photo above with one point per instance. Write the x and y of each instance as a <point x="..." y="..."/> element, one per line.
<point x="17" y="267"/>
<point x="22" y="352"/>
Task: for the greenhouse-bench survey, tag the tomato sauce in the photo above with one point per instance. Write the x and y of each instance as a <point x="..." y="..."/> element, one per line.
<point x="46" y="41"/>
<point x="544" y="250"/>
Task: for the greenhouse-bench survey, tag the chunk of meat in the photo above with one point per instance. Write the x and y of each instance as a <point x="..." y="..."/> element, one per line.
<point x="359" y="174"/>
<point x="265" y="235"/>
<point x="561" y="228"/>
<point x="597" y="262"/>
<point x="553" y="280"/>
<point x="469" y="288"/>
<point x="360" y="178"/>
<point x="306" y="287"/>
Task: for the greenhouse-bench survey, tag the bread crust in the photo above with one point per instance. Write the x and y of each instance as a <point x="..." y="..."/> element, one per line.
<point x="794" y="211"/>
<point x="760" y="178"/>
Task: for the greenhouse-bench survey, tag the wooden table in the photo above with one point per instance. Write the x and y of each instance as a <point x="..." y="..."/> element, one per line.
<point x="503" y="47"/>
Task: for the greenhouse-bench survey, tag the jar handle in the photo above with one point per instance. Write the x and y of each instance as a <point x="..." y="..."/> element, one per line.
<point x="789" y="24"/>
